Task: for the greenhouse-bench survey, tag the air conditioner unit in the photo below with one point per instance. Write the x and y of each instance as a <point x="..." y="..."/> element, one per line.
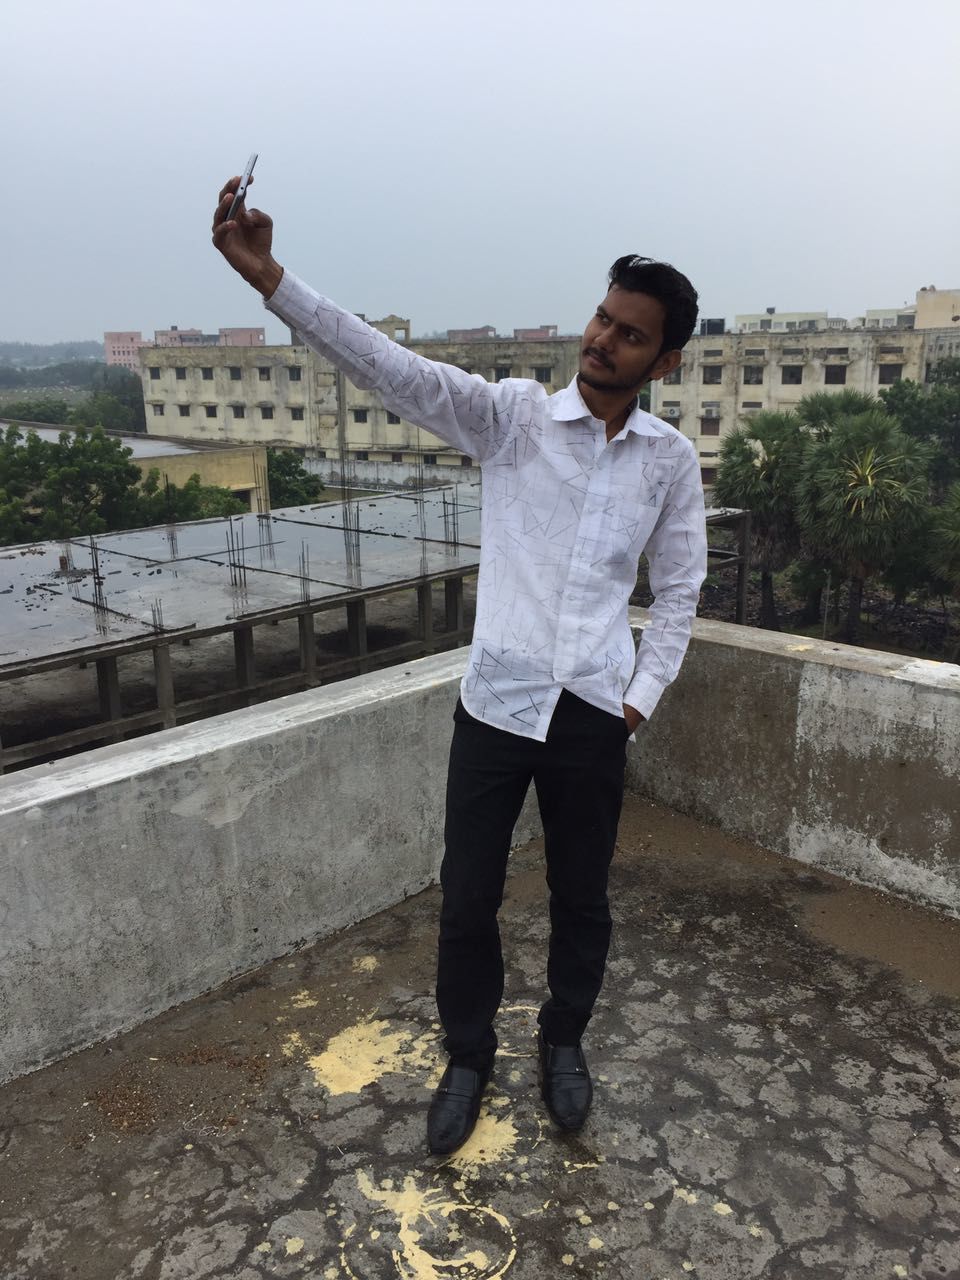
<point x="671" y="413"/>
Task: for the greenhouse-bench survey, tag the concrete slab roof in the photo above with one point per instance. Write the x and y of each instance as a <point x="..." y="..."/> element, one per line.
<point x="142" y="446"/>
<point x="775" y="1056"/>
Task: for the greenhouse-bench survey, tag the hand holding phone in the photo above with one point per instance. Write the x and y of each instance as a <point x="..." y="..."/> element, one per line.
<point x="242" y="189"/>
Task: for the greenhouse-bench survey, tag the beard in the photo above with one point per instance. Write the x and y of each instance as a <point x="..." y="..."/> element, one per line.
<point x="634" y="384"/>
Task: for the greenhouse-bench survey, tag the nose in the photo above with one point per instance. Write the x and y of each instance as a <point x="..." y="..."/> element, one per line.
<point x="604" y="339"/>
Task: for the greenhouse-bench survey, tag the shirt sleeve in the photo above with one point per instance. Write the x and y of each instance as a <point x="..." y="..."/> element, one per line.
<point x="463" y="409"/>
<point x="677" y="557"/>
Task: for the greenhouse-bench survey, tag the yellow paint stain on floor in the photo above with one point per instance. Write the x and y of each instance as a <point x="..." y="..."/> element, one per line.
<point x="365" y="964"/>
<point x="303" y="1000"/>
<point x="295" y="1245"/>
<point x="686" y="1196"/>
<point x="363" y="1054"/>
<point x="412" y="1206"/>
<point x="722" y="1208"/>
<point x="493" y="1141"/>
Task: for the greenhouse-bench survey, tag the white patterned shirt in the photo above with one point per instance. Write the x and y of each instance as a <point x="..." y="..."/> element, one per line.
<point x="565" y="517"/>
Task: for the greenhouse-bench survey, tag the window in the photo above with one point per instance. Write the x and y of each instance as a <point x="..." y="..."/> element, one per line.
<point x="712" y="374"/>
<point x="792" y="351"/>
<point x="321" y="453"/>
<point x="296" y="415"/>
<point x="266" y="412"/>
<point x="755" y="351"/>
<point x="708" y="474"/>
<point x="239" y="411"/>
<point x="154" y="374"/>
<point x="753" y="375"/>
<point x="158" y="410"/>
<point x="294" y="373"/>
<point x="396" y="457"/>
<point x="837" y="351"/>
<point x="264" y="373"/>
<point x="753" y="404"/>
<point x="673" y="379"/>
<point x="714" y="351"/>
<point x="184" y="410"/>
<point x="393" y="418"/>
<point x="891" y="351"/>
<point x="543" y="372"/>
<point x="210" y="410"/>
<point x="181" y="374"/>
<point x="361" y="455"/>
<point x="791" y="375"/>
<point x="235" y="373"/>
<point x="501" y="371"/>
<point x="359" y="415"/>
<point x="429" y="459"/>
<point x="466" y="462"/>
<point x="890" y="373"/>
<point x="835" y="375"/>
<point x="207" y="375"/>
<point x="709" y="426"/>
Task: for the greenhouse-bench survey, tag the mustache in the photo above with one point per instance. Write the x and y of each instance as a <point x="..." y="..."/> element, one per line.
<point x="598" y="355"/>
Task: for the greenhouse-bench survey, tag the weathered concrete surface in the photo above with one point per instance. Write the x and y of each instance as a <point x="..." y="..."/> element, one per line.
<point x="843" y="757"/>
<point x="142" y="874"/>
<point x="776" y="1057"/>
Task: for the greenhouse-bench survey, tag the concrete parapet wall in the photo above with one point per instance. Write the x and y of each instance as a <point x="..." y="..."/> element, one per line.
<point x="139" y="875"/>
<point x="843" y="757"/>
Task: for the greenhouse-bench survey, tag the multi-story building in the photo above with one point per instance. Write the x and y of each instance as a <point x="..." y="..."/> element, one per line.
<point x="289" y="397"/>
<point x="122" y="348"/>
<point x="726" y="377"/>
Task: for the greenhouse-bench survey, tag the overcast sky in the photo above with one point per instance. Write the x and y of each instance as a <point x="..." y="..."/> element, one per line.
<point x="477" y="163"/>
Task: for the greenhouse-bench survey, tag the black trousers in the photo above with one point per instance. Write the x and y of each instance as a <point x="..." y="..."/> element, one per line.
<point x="578" y="775"/>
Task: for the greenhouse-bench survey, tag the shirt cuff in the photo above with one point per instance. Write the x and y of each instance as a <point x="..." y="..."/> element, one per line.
<point x="293" y="301"/>
<point x="643" y="693"/>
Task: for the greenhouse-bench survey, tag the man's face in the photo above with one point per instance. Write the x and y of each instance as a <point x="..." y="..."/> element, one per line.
<point x="621" y="344"/>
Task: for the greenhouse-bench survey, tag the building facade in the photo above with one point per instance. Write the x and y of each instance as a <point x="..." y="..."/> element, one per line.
<point x="286" y="396"/>
<point x="726" y="377"/>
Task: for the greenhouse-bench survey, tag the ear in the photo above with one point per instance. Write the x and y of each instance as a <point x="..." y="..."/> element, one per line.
<point x="665" y="364"/>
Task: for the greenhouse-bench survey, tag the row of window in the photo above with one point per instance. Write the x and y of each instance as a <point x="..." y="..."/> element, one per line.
<point x="542" y="373"/>
<point x="791" y="375"/>
<point x="429" y="459"/>
<point x="363" y="415"/>
<point x="264" y="372"/>
<point x="239" y="411"/>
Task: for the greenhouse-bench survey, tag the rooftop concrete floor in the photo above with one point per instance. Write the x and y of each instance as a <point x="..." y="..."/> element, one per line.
<point x="776" y="1060"/>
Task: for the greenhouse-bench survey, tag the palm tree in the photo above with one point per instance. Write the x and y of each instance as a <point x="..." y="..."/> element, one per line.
<point x="945" y="551"/>
<point x="863" y="484"/>
<point x="759" y="465"/>
<point x="822" y="410"/>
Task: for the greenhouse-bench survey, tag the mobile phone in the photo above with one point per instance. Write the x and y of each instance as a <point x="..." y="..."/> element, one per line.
<point x="242" y="189"/>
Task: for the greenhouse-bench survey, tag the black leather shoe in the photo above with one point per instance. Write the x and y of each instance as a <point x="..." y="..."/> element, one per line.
<point x="565" y="1083"/>
<point x="454" y="1108"/>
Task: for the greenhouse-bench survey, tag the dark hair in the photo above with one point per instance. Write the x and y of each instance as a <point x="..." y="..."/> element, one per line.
<point x="671" y="289"/>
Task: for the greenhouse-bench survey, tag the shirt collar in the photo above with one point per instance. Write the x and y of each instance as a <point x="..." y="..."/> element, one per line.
<point x="568" y="406"/>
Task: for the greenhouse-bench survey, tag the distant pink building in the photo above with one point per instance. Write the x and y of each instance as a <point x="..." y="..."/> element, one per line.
<point x="471" y="335"/>
<point x="123" y="349"/>
<point x="535" y="335"/>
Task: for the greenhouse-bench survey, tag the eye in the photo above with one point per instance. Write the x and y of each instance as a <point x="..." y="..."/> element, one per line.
<point x="603" y="317"/>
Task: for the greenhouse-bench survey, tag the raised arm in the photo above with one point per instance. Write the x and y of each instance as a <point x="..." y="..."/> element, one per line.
<point x="465" y="410"/>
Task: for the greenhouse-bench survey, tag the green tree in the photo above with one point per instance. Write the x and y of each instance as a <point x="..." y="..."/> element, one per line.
<point x="101" y="409"/>
<point x="932" y="413"/>
<point x="168" y="503"/>
<point x="40" y="409"/>
<point x="759" y="467"/>
<point x="822" y="410"/>
<point x="291" y="485"/>
<point x="862" y="491"/>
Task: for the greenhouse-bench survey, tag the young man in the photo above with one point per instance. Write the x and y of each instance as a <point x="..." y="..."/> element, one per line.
<point x="576" y="486"/>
